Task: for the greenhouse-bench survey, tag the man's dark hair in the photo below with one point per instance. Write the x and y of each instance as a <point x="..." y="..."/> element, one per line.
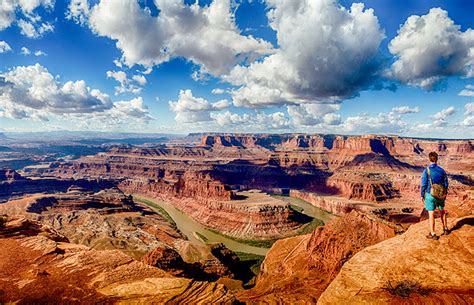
<point x="433" y="156"/>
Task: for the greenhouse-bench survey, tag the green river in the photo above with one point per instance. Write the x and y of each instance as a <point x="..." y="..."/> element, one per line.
<point x="189" y="227"/>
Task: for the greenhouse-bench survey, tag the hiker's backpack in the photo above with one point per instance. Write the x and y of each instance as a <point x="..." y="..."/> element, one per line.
<point x="438" y="191"/>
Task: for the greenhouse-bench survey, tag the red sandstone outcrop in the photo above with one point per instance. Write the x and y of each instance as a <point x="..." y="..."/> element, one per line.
<point x="36" y="268"/>
<point x="165" y="258"/>
<point x="366" y="168"/>
<point x="13" y="185"/>
<point x="457" y="154"/>
<point x="258" y="216"/>
<point x="360" y="185"/>
<point x="7" y="174"/>
<point x="267" y="141"/>
<point x="104" y="220"/>
<point x="243" y="221"/>
<point x="193" y="190"/>
<point x="331" y="204"/>
<point x="410" y="269"/>
<point x="298" y="269"/>
<point x="194" y="261"/>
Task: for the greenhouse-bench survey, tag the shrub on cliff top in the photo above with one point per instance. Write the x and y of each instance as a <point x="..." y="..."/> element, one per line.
<point x="405" y="288"/>
<point x="3" y="220"/>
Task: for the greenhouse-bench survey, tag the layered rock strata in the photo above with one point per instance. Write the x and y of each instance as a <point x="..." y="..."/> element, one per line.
<point x="38" y="265"/>
<point x="298" y="269"/>
<point x="107" y="219"/>
<point x="410" y="269"/>
<point x="13" y="185"/>
<point x="360" y="168"/>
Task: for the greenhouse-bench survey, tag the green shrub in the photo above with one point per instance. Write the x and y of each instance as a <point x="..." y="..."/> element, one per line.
<point x="405" y="288"/>
<point x="3" y="220"/>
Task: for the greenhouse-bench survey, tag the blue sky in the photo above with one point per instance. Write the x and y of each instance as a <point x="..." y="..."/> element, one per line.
<point x="322" y="66"/>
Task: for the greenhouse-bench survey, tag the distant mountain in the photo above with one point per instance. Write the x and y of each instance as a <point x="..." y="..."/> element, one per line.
<point x="87" y="137"/>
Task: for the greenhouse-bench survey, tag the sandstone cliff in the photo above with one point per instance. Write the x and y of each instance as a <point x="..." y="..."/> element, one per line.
<point x="104" y="220"/>
<point x="7" y="174"/>
<point x="410" y="269"/>
<point x="109" y="219"/>
<point x="360" y="168"/>
<point x="254" y="216"/>
<point x="38" y="265"/>
<point x="298" y="269"/>
<point x="360" y="185"/>
<point x="457" y="155"/>
<point x="13" y="185"/>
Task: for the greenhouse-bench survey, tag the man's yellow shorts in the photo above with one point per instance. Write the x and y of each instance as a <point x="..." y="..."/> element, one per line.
<point x="432" y="203"/>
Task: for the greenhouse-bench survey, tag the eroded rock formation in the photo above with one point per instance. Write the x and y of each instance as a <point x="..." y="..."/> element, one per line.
<point x="298" y="269"/>
<point x="108" y="219"/>
<point x="410" y="269"/>
<point x="38" y="266"/>
<point x="360" y="167"/>
<point x="13" y="185"/>
<point x="202" y="179"/>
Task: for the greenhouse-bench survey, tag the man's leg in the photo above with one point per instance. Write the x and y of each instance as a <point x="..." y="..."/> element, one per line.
<point x="432" y="222"/>
<point x="443" y="218"/>
<point x="430" y="207"/>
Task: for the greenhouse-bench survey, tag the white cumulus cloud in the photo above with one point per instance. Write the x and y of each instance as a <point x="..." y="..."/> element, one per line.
<point x="4" y="47"/>
<point x="33" y="89"/>
<point x="30" y="23"/>
<point x="314" y="114"/>
<point x="208" y="36"/>
<point x="469" y="121"/>
<point x="140" y="79"/>
<point x="467" y="91"/>
<point x="430" y="48"/>
<point x="31" y="30"/>
<point x="380" y="123"/>
<point x="127" y="85"/>
<point x="135" y="108"/>
<point x="251" y="122"/>
<point x="406" y="109"/>
<point x="32" y="92"/>
<point x="25" y="51"/>
<point x="40" y="53"/>
<point x="190" y="109"/>
<point x="326" y="52"/>
<point x="469" y="108"/>
<point x="440" y="118"/>
<point x="218" y="91"/>
<point x="78" y="11"/>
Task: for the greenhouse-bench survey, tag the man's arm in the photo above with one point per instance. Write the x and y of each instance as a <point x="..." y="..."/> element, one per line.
<point x="445" y="182"/>
<point x="424" y="183"/>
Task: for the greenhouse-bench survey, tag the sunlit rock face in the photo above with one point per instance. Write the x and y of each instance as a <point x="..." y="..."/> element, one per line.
<point x="298" y="269"/>
<point x="410" y="268"/>
<point x="37" y="263"/>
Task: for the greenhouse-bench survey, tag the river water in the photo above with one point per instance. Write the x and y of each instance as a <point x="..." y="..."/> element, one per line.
<point x="189" y="226"/>
<point x="308" y="208"/>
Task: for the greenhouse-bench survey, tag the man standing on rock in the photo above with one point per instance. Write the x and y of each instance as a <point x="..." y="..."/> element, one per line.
<point x="434" y="187"/>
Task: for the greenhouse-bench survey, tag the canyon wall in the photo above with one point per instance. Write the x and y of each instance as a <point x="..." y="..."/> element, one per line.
<point x="298" y="269"/>
<point x="240" y="218"/>
<point x="14" y="185"/>
<point x="456" y="155"/>
<point x="334" y="205"/>
<point x="407" y="269"/>
<point x="39" y="265"/>
<point x="109" y="219"/>
<point x="369" y="168"/>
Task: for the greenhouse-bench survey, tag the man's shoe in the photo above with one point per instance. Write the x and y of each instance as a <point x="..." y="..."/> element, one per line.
<point x="446" y="231"/>
<point x="432" y="236"/>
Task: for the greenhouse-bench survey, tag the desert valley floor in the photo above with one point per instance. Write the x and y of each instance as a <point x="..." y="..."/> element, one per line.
<point x="232" y="218"/>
